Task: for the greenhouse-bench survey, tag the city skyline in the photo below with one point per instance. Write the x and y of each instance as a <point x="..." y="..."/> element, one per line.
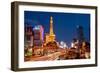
<point x="65" y="24"/>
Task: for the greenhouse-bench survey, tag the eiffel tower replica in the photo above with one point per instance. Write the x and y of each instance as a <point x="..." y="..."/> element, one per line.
<point x="50" y="38"/>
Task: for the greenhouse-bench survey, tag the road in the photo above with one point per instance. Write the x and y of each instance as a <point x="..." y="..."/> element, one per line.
<point x="50" y="57"/>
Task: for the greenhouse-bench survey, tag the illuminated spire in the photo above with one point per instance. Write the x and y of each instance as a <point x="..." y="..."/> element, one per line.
<point x="51" y="36"/>
<point x="51" y="26"/>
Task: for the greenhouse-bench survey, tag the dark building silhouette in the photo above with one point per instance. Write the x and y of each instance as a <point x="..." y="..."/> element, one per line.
<point x="80" y="35"/>
<point x="28" y="39"/>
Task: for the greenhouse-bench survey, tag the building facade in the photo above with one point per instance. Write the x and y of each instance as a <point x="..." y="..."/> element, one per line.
<point x="38" y="35"/>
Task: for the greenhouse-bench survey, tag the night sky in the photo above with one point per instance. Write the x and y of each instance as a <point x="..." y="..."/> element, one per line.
<point x="65" y="24"/>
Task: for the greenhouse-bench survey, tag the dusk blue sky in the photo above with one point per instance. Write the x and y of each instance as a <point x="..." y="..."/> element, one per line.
<point x="65" y="24"/>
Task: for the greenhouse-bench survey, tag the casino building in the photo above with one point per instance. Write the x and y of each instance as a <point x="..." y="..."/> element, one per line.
<point x="38" y="39"/>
